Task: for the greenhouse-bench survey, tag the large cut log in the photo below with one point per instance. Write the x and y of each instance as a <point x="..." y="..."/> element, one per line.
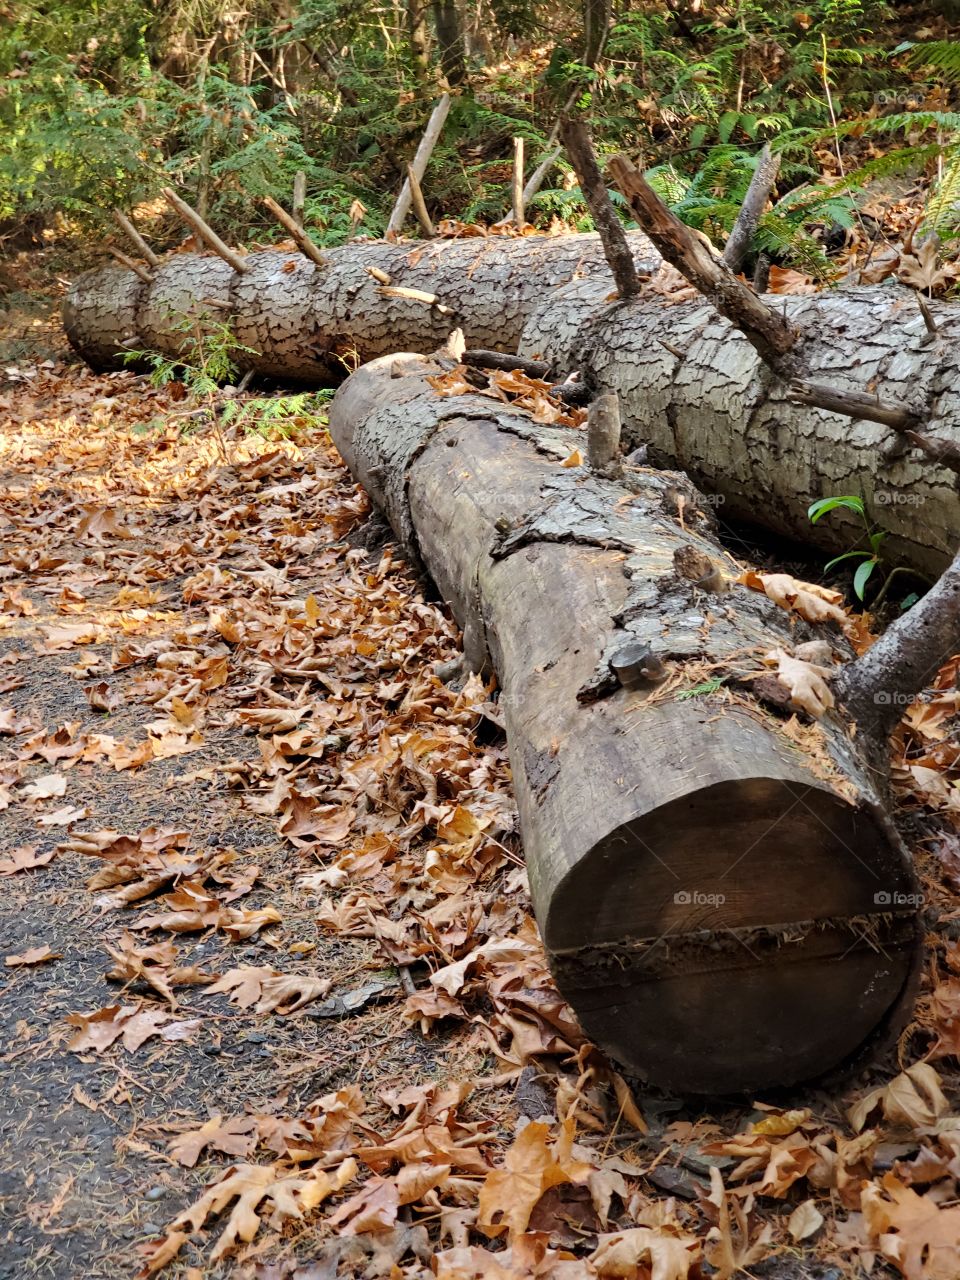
<point x="310" y="322"/>
<point x="720" y="893"/>
<point x="695" y="389"/>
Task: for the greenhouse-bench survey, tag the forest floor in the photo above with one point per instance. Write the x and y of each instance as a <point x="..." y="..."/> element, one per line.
<point x="273" y="1004"/>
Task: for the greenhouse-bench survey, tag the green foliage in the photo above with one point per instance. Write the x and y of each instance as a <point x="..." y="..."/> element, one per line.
<point x="277" y="417"/>
<point x="209" y="357"/>
<point x="102" y="103"/>
<point x="866" y="560"/>
<point x="702" y="690"/>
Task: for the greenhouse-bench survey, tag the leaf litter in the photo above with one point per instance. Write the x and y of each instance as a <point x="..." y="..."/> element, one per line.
<point x="223" y="694"/>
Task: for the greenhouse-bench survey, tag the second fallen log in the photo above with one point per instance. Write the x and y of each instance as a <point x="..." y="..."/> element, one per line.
<point x="720" y="893"/>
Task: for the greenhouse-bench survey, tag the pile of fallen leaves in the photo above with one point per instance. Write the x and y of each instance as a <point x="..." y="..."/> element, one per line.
<point x="216" y="598"/>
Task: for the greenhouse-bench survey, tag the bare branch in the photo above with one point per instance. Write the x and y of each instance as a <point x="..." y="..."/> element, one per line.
<point x="878" y="687"/>
<point x="419" y="204"/>
<point x="136" y="239"/>
<point x="420" y="161"/>
<point x="205" y="232"/>
<point x="519" y="212"/>
<point x="765" y="329"/>
<point x="761" y="184"/>
<point x="855" y="404"/>
<point x="579" y="145"/>
<point x="129" y="263"/>
<point x="296" y="232"/>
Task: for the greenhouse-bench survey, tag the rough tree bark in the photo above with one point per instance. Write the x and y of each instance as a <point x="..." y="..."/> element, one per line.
<point x="695" y="389"/>
<point x="711" y="884"/>
<point x="690" y="385"/>
<point x="314" y="322"/>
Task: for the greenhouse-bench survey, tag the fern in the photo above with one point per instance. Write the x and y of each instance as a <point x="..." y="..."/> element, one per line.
<point x="943" y="209"/>
<point x="941" y="55"/>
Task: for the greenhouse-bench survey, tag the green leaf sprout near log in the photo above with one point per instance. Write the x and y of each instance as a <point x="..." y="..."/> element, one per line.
<point x="867" y="559"/>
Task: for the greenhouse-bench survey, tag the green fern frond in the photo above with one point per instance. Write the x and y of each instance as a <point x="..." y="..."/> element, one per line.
<point x="943" y="55"/>
<point x="943" y="209"/>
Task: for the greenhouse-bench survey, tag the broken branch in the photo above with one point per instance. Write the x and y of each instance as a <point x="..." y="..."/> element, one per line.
<point x="135" y="267"/>
<point x="296" y="232"/>
<point x="878" y="687"/>
<point x="136" y="239"/>
<point x="763" y="327"/>
<point x="204" y="230"/>
<point x="420" y="161"/>
<point x="519" y="212"/>
<point x="761" y="184"/>
<point x="419" y="204"/>
<point x="579" y="145"/>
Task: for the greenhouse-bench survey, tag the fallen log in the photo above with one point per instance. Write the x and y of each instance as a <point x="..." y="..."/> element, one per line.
<point x="314" y="322"/>
<point x="720" y="893"/>
<point x="696" y="391"/>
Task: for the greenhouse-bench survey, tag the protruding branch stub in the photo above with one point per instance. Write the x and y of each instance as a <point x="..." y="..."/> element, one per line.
<point x="636" y="666"/>
<point x="603" y="436"/>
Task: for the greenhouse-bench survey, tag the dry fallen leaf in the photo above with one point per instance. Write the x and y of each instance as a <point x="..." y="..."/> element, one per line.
<point x="530" y="1167"/>
<point x="24" y="859"/>
<point x="916" y="1235"/>
<point x="806" y="682"/>
<point x="289" y="1195"/>
<point x="913" y="1100"/>
<point x="805" y="1221"/>
<point x="33" y="955"/>
<point x="234" y="1137"/>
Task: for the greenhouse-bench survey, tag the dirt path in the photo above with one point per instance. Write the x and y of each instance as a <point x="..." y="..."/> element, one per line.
<point x="157" y="586"/>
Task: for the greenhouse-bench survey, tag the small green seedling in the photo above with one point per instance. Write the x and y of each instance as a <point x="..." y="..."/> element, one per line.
<point x="868" y="560"/>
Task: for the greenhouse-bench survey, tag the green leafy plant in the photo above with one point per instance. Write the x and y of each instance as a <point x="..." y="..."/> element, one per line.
<point x="701" y="690"/>
<point x="277" y="416"/>
<point x="210" y="353"/>
<point x="867" y="560"/>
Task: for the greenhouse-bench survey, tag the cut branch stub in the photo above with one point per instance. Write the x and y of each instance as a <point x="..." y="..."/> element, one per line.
<point x="296" y="232"/>
<point x="420" y="161"/>
<point x="135" y="238"/>
<point x="724" y="907"/>
<point x="204" y="231"/>
<point x="740" y="239"/>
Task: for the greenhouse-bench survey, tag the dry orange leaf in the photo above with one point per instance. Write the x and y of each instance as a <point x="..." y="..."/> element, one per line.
<point x="33" y="955"/>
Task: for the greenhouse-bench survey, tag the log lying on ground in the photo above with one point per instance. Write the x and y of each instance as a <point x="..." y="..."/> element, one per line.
<point x="695" y="389"/>
<point x="314" y="323"/>
<point x="721" y="896"/>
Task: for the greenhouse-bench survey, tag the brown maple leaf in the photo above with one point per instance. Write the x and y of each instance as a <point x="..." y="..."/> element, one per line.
<point x="234" y="1137"/>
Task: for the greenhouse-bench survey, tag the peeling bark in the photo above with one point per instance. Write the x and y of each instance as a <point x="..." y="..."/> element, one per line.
<point x="709" y="886"/>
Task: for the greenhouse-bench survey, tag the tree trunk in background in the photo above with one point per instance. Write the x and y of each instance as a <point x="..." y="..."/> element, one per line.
<point x="694" y="389"/>
<point x="417" y="37"/>
<point x="446" y="17"/>
<point x="711" y="888"/>
<point x="704" y="401"/>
